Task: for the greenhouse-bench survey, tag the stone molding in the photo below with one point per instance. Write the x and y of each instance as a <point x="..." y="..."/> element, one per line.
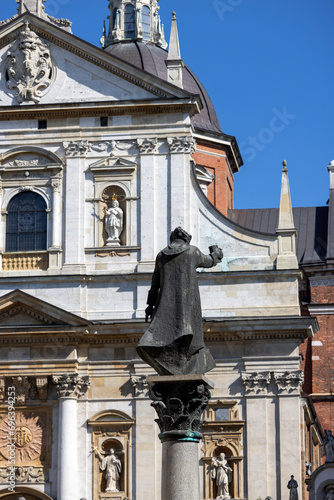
<point x="321" y="282"/>
<point x="256" y="382"/>
<point x="71" y="385"/>
<point x="147" y="146"/>
<point x="289" y="382"/>
<point x="29" y="67"/>
<point x="181" y="144"/>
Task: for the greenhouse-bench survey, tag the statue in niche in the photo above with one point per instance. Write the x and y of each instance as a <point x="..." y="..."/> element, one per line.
<point x="174" y="343"/>
<point x="114" y="223"/>
<point x="112" y="467"/>
<point x="329" y="446"/>
<point x="293" y="485"/>
<point x="222" y="473"/>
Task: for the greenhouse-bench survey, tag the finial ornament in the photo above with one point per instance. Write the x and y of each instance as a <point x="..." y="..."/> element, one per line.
<point x="284" y="163"/>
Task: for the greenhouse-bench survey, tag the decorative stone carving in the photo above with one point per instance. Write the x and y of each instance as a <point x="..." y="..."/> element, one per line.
<point x="139" y="384"/>
<point x="329" y="446"/>
<point x="24" y="475"/>
<point x="29" y="67"/>
<point x="29" y="437"/>
<point x="28" y="161"/>
<point x="111" y="466"/>
<point x="181" y="144"/>
<point x="289" y="381"/>
<point x="42" y="387"/>
<point x="114" y="223"/>
<point x="292" y="486"/>
<point x="22" y="387"/>
<point x="147" y="146"/>
<point x="256" y="382"/>
<point x="204" y="178"/>
<point x="179" y="405"/>
<point x="71" y="386"/>
<point x="79" y="148"/>
<point x="221" y="472"/>
<point x="2" y="389"/>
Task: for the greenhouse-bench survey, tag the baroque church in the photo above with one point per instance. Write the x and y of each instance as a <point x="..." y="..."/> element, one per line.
<point x="103" y="152"/>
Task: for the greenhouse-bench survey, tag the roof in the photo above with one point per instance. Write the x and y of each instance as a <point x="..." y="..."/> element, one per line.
<point x="151" y="58"/>
<point x="311" y="224"/>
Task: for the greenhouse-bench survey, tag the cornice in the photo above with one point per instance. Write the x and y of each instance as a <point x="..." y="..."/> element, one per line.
<point x="96" y="109"/>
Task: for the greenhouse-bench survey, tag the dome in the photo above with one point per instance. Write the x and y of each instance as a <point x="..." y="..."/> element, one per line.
<point x="151" y="58"/>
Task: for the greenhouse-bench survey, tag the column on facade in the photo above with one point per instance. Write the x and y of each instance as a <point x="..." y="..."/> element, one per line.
<point x="148" y="196"/>
<point x="180" y="149"/>
<point x="56" y="212"/>
<point x="70" y="388"/>
<point x="256" y="391"/>
<point x="147" y="445"/>
<point x="75" y="204"/>
<point x="289" y="386"/>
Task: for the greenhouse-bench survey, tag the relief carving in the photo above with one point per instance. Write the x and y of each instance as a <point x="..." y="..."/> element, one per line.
<point x="29" y="437"/>
<point x="139" y="384"/>
<point x="29" y="67"/>
<point x="71" y="386"/>
<point x="256" y="382"/>
<point x="147" y="146"/>
<point x="24" y="475"/>
<point x="181" y="144"/>
<point x="289" y="381"/>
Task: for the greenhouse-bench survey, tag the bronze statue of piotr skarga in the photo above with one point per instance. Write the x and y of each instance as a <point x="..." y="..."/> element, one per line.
<point x="174" y="343"/>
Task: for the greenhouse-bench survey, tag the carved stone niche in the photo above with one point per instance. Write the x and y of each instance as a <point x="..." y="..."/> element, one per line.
<point x="111" y="430"/>
<point x="114" y="178"/>
<point x="222" y="433"/>
<point x="112" y="214"/>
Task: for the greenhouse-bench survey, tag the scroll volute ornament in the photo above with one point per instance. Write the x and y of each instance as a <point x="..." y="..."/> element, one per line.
<point x="28" y="67"/>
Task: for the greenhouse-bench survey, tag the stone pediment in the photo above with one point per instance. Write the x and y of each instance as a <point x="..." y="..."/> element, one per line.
<point x="18" y="309"/>
<point x="113" y="166"/>
<point x="73" y="70"/>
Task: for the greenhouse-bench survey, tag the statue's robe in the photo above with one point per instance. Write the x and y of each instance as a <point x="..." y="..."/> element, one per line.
<point x="174" y="344"/>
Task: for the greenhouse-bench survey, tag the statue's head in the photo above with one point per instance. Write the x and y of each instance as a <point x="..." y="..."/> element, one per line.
<point x="114" y="203"/>
<point x="180" y="234"/>
<point x="222" y="455"/>
<point x="112" y="451"/>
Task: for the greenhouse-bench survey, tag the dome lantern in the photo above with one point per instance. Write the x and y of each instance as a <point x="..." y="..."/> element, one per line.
<point x="131" y="20"/>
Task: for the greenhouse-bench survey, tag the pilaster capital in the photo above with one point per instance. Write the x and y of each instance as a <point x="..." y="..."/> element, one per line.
<point x="289" y="382"/>
<point x="181" y="144"/>
<point x="147" y="146"/>
<point x="256" y="383"/>
<point x="139" y="384"/>
<point x="71" y="385"/>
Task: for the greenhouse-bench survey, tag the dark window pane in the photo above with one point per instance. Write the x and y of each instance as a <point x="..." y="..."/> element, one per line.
<point x="26" y="223"/>
<point x="129" y="21"/>
<point x="146" y="23"/>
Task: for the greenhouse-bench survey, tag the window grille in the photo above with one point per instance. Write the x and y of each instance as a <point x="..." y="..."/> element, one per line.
<point x="26" y="223"/>
<point x="129" y="22"/>
<point x="146" y="23"/>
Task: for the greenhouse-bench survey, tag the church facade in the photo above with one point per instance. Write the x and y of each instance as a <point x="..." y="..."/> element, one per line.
<point x="104" y="151"/>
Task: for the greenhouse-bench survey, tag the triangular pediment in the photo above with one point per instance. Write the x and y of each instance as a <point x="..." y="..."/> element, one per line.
<point x="113" y="164"/>
<point x="19" y="309"/>
<point x="77" y="71"/>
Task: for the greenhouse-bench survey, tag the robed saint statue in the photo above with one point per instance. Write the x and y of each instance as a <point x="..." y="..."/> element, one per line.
<point x="174" y="343"/>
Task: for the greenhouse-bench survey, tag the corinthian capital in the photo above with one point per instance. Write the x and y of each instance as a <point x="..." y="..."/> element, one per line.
<point x="71" y="385"/>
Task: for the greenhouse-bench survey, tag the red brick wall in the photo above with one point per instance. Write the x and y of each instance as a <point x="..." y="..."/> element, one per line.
<point x="220" y="191"/>
<point x="319" y="359"/>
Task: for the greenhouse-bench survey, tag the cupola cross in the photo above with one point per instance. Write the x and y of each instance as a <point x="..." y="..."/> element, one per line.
<point x="34" y="6"/>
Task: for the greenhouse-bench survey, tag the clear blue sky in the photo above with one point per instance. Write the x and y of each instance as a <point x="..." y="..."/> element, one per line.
<point x="268" y="68"/>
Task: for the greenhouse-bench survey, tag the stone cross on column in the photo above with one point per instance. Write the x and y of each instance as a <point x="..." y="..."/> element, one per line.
<point x="34" y="6"/>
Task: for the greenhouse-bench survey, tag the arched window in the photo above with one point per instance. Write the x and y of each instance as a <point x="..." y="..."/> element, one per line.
<point x="129" y="21"/>
<point x="146" y="23"/>
<point x="26" y="223"/>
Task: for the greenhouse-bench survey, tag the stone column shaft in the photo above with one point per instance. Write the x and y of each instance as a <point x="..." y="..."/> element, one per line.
<point x="180" y="471"/>
<point x="56" y="213"/>
<point x="67" y="449"/>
